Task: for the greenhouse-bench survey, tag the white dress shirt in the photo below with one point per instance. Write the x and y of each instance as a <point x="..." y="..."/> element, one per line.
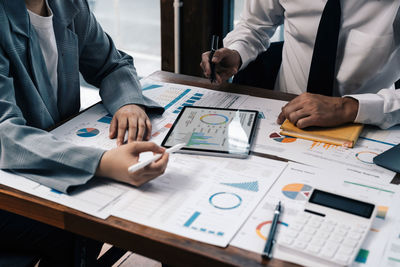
<point x="47" y="39"/>
<point x="368" y="55"/>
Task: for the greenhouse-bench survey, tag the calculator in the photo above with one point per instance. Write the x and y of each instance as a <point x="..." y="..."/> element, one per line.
<point x="330" y="230"/>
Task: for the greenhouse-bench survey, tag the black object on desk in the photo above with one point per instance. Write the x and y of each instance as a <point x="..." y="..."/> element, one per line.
<point x="390" y="159"/>
<point x="267" y="253"/>
<point x="214" y="47"/>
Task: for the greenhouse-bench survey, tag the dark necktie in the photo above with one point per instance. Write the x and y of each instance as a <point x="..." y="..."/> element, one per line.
<point x="322" y="70"/>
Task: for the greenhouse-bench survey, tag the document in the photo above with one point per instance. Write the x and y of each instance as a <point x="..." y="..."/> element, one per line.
<point x="293" y="188"/>
<point x="391" y="257"/>
<point x="202" y="198"/>
<point x="96" y="198"/>
<point x="357" y="159"/>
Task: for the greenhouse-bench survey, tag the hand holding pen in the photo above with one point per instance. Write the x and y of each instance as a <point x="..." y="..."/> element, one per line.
<point x="220" y="64"/>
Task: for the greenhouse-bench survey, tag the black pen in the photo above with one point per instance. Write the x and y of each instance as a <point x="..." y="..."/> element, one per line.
<point x="267" y="253"/>
<point x="214" y="47"/>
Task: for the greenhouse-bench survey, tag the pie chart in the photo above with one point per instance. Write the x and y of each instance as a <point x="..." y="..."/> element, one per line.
<point x="282" y="139"/>
<point x="297" y="191"/>
<point x="87" y="132"/>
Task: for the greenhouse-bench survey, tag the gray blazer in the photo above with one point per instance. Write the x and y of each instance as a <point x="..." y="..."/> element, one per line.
<point x="27" y="103"/>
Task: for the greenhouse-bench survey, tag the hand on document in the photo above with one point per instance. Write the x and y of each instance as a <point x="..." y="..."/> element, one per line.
<point x="131" y="119"/>
<point x="318" y="110"/>
<point x="115" y="162"/>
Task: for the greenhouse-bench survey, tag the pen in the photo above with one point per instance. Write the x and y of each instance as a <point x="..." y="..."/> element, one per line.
<point x="144" y="163"/>
<point x="267" y="253"/>
<point x="214" y="47"/>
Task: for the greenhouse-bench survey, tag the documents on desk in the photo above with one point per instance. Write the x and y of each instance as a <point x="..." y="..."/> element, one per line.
<point x="96" y="198"/>
<point x="203" y="198"/>
<point x="208" y="199"/>
<point x="293" y="188"/>
<point x="357" y="159"/>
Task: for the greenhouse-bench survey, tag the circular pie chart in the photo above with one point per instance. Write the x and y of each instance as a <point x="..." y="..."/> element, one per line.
<point x="214" y="119"/>
<point x="297" y="191"/>
<point x="87" y="132"/>
<point x="366" y="156"/>
<point x="282" y="139"/>
<point x="262" y="229"/>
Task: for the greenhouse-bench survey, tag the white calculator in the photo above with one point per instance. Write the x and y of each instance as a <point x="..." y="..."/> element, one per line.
<point x="330" y="230"/>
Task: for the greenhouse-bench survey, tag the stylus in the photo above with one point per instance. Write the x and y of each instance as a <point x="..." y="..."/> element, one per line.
<point x="142" y="164"/>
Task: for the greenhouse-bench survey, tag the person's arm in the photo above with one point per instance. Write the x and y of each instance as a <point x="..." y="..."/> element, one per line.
<point x="381" y="109"/>
<point x="113" y="71"/>
<point x="250" y="37"/>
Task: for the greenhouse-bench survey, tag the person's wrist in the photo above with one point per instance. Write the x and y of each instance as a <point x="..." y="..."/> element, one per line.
<point x="102" y="167"/>
<point x="238" y="59"/>
<point x="350" y="108"/>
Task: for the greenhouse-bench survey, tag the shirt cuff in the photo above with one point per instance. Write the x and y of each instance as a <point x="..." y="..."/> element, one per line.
<point x="370" y="108"/>
<point x="245" y="57"/>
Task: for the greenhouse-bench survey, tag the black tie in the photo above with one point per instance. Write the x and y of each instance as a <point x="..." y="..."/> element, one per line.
<point x="322" y="69"/>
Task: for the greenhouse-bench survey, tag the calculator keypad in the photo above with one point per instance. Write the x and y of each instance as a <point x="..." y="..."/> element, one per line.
<point x="327" y="239"/>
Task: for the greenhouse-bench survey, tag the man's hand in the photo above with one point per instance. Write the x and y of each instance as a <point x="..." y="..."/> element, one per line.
<point x="131" y="118"/>
<point x="115" y="163"/>
<point x="227" y="63"/>
<point x="318" y="110"/>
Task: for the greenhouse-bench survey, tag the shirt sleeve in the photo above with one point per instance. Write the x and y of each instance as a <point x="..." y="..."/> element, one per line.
<point x="381" y="109"/>
<point x="103" y="66"/>
<point x="35" y="153"/>
<point x="257" y="25"/>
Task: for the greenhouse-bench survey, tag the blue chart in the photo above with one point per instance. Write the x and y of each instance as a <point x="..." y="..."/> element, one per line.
<point x="199" y="139"/>
<point x="249" y="186"/>
<point x="87" y="132"/>
<point x="106" y="119"/>
<point x="151" y="86"/>
<point x="189" y="224"/>
<point x="225" y="200"/>
<point x="261" y="115"/>
<point x="190" y="102"/>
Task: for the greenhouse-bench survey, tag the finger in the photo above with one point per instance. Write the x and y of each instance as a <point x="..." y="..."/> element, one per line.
<point x="297" y="115"/>
<point x="220" y="54"/>
<point x="122" y="124"/>
<point x="281" y="118"/>
<point x="132" y="129"/>
<point x="160" y="165"/>
<point x="306" y="122"/>
<point x="149" y="128"/>
<point x="139" y="147"/>
<point x="113" y="127"/>
<point x="205" y="64"/>
<point x="290" y="108"/>
<point x="141" y="128"/>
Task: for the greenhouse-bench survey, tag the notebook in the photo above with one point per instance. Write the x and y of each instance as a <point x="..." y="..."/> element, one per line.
<point x="345" y="135"/>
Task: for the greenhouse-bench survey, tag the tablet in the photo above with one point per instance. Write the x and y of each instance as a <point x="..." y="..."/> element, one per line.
<point x="213" y="131"/>
<point x="390" y="159"/>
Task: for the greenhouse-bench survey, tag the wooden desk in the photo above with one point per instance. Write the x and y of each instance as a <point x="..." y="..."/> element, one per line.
<point x="162" y="246"/>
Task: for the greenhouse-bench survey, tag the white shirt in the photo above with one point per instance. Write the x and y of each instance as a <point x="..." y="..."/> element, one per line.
<point x="47" y="39"/>
<point x="368" y="56"/>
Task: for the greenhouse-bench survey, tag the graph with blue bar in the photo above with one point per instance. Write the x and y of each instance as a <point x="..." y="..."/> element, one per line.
<point x="106" y="119"/>
<point x="249" y="186"/>
<point x="190" y="221"/>
<point x="151" y="86"/>
<point x="189" y="102"/>
<point x="200" y="139"/>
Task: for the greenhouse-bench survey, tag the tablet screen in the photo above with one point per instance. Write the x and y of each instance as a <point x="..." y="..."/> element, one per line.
<point x="213" y="130"/>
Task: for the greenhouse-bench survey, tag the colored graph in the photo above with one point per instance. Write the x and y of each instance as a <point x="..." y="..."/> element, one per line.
<point x="165" y="128"/>
<point x="189" y="102"/>
<point x="190" y="221"/>
<point x="199" y="139"/>
<point x="368" y="187"/>
<point x="282" y="139"/>
<point x="250" y="186"/>
<point x="366" y="156"/>
<point x="261" y="228"/>
<point x="225" y="200"/>
<point x="87" y="132"/>
<point x="151" y="86"/>
<point x="382" y="211"/>
<point x="261" y="115"/>
<point x="323" y="145"/>
<point x="106" y="119"/>
<point x="297" y="191"/>
<point x="214" y="119"/>
<point x="362" y="256"/>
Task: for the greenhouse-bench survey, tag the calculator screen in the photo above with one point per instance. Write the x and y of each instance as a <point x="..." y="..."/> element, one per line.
<point x="345" y="204"/>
